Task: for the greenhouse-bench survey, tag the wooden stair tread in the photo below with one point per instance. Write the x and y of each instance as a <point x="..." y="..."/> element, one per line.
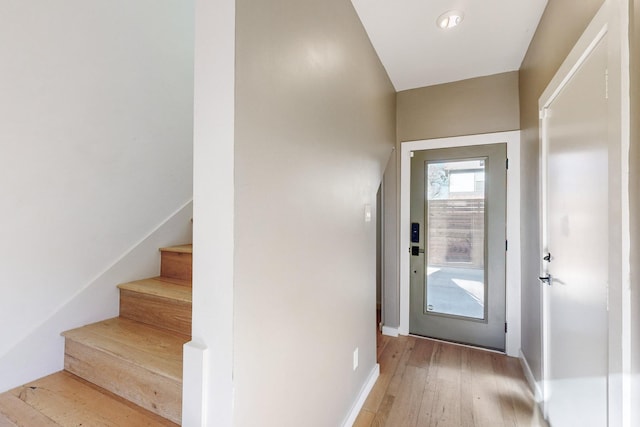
<point x="160" y="287"/>
<point x="125" y="371"/>
<point x="156" y="350"/>
<point x="63" y="399"/>
<point x="175" y="281"/>
<point x="185" y="249"/>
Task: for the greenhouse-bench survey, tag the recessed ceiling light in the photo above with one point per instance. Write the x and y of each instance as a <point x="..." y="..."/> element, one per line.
<point x="450" y="19"/>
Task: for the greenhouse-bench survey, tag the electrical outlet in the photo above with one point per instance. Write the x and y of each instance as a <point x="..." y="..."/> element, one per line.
<point x="355" y="359"/>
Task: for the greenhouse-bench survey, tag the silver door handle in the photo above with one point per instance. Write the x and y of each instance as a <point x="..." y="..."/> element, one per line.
<point x="545" y="279"/>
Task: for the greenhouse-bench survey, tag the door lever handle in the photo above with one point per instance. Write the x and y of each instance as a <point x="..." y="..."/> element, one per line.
<point x="416" y="250"/>
<point x="545" y="279"/>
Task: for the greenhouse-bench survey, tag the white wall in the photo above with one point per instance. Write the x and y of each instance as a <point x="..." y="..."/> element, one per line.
<point x="314" y="128"/>
<point x="95" y="143"/>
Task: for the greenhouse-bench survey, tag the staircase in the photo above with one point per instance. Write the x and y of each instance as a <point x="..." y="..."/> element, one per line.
<point x="125" y="371"/>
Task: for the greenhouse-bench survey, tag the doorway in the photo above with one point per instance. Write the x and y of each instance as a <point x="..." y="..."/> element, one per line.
<point x="575" y="237"/>
<point x="513" y="303"/>
<point x="458" y="214"/>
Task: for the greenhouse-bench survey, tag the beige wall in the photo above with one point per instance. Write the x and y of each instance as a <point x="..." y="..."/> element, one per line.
<point x="468" y="107"/>
<point x="551" y="43"/>
<point x="634" y="193"/>
<point x="315" y="124"/>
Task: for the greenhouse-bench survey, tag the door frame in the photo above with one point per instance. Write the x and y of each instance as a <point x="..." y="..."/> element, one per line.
<point x="611" y="20"/>
<point x="512" y="139"/>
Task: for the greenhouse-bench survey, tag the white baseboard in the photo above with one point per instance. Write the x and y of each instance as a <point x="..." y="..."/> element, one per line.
<point x="364" y="393"/>
<point x="537" y="392"/>
<point x="392" y="332"/>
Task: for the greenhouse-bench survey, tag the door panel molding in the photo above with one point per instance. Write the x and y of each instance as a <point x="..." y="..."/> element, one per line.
<point x="512" y="139"/>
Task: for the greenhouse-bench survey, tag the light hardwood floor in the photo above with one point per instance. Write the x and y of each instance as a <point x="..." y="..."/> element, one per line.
<point x="431" y="383"/>
<point x="65" y="400"/>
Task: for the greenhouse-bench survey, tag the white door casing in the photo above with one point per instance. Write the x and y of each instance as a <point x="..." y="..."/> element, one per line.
<point x="512" y="139"/>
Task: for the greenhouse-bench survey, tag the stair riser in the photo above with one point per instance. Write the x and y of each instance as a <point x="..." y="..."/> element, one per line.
<point x="156" y="311"/>
<point x="176" y="265"/>
<point x="149" y="390"/>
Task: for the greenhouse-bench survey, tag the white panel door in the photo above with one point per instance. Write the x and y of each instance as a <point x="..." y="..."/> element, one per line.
<point x="575" y="240"/>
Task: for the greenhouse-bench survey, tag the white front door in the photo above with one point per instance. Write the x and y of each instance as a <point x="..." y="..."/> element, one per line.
<point x="575" y="244"/>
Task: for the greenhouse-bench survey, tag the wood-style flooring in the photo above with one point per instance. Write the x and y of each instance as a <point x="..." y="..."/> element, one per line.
<point x="428" y="383"/>
<point x="65" y="400"/>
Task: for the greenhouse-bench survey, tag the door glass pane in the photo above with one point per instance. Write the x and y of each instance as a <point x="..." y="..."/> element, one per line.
<point x="455" y="253"/>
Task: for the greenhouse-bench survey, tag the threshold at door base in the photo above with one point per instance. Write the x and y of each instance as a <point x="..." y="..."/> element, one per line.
<point x="490" y="350"/>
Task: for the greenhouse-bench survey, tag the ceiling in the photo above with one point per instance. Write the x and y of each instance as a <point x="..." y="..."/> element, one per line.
<point x="492" y="38"/>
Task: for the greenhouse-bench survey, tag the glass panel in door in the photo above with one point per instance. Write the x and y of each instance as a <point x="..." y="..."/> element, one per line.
<point x="455" y="279"/>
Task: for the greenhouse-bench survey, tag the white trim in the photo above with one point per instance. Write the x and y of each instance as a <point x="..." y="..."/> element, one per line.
<point x="362" y="396"/>
<point x="195" y="372"/>
<point x="213" y="208"/>
<point x="535" y="387"/>
<point x="561" y="79"/>
<point x="513" y="257"/>
<point x="625" y="207"/>
<point x="390" y="332"/>
<point x="513" y="296"/>
<point x="380" y="250"/>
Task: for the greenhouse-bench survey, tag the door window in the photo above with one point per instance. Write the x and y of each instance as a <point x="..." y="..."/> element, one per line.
<point x="455" y="279"/>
